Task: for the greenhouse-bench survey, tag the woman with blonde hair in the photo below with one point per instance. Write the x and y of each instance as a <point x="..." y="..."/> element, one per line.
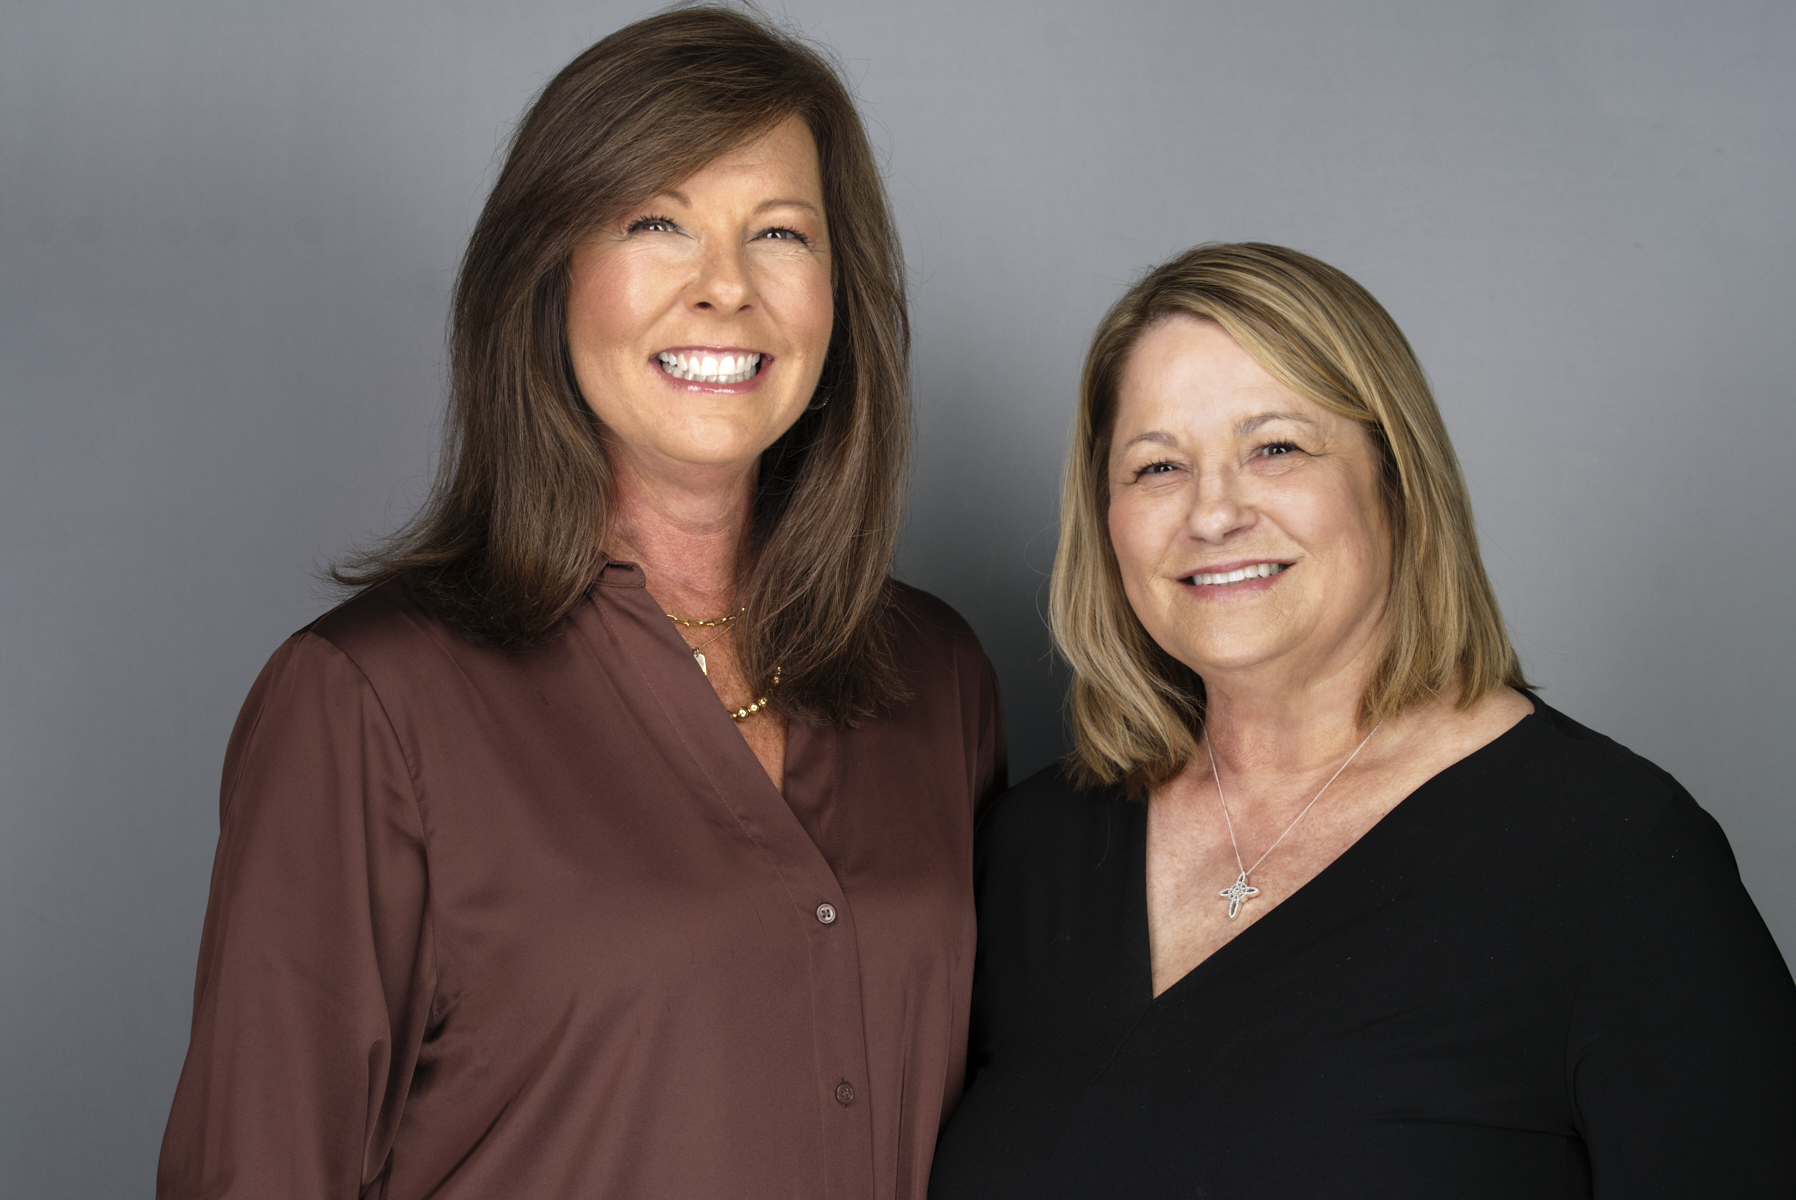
<point x="1325" y="903"/>
<point x="615" y="839"/>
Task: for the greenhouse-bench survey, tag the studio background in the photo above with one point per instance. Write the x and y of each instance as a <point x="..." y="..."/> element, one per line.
<point x="229" y="232"/>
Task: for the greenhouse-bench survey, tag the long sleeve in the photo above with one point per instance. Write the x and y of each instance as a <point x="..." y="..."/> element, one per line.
<point x="1682" y="1054"/>
<point x="315" y="969"/>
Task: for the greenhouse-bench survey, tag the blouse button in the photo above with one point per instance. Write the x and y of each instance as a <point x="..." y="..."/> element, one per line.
<point x="826" y="912"/>
<point x="844" y="1094"/>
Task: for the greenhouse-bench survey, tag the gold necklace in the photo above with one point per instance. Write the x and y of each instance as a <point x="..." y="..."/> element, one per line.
<point x="743" y="714"/>
<point x="689" y="623"/>
<point x="747" y="710"/>
<point x="697" y="654"/>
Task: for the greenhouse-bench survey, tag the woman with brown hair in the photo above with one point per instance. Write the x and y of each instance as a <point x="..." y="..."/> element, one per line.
<point x="1324" y="904"/>
<point x="615" y="838"/>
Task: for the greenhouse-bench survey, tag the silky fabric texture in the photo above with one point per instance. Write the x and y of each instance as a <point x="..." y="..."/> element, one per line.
<point x="491" y="923"/>
<point x="1539" y="977"/>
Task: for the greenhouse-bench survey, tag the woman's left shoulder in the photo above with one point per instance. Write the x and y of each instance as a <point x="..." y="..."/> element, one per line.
<point x="1610" y="790"/>
<point x="925" y="623"/>
<point x="952" y="682"/>
<point x="1554" y="745"/>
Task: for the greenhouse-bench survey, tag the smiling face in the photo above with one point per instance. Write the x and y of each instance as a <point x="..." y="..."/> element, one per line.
<point x="1246" y="519"/>
<point x="698" y="321"/>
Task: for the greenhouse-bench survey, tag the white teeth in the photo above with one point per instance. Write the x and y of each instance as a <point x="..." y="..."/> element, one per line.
<point x="709" y="368"/>
<point x="1219" y="578"/>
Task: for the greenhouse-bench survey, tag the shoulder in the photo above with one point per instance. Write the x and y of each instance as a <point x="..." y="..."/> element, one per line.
<point x="930" y="636"/>
<point x="385" y="646"/>
<point x="1602" y="796"/>
<point x="1047" y="818"/>
<point x="1597" y="778"/>
<point x="404" y="649"/>
<point x="382" y="621"/>
<point x="1046" y="850"/>
<point x="918" y="616"/>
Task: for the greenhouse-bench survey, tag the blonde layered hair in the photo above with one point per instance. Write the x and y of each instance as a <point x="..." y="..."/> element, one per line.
<point x="1137" y="711"/>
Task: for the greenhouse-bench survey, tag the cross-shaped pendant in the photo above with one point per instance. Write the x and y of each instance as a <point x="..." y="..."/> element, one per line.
<point x="1236" y="892"/>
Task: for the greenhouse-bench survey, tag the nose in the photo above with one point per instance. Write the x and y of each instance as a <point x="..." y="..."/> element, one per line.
<point x="1218" y="511"/>
<point x="723" y="284"/>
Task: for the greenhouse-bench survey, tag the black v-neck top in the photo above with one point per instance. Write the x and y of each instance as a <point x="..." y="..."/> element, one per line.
<point x="1539" y="976"/>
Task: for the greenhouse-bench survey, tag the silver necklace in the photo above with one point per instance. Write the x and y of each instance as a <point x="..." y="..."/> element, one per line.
<point x="1239" y="890"/>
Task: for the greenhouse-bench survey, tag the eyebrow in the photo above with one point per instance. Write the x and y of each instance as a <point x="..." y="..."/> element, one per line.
<point x="1266" y="418"/>
<point x="684" y="201"/>
<point x="804" y="204"/>
<point x="1160" y="437"/>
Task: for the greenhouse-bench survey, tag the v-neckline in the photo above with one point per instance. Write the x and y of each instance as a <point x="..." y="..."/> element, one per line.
<point x="1321" y="880"/>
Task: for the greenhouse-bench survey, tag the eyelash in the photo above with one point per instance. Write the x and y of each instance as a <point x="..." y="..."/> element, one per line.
<point x="642" y="223"/>
<point x="1284" y="448"/>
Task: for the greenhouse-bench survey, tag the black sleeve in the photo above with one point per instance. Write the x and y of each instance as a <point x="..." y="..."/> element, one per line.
<point x="1681" y="1055"/>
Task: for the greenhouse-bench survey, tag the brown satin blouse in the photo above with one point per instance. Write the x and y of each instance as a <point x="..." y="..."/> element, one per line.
<point x="536" y="924"/>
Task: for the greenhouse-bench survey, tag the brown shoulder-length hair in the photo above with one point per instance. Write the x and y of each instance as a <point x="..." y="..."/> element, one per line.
<point x="509" y="539"/>
<point x="1136" y="711"/>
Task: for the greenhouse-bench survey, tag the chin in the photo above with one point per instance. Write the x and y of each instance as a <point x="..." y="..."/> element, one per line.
<point x="1209" y="654"/>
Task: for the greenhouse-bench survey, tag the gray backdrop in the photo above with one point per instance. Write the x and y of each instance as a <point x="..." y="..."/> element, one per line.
<point x="229" y="231"/>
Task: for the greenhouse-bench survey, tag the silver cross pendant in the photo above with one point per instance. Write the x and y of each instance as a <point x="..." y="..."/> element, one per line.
<point x="1236" y="892"/>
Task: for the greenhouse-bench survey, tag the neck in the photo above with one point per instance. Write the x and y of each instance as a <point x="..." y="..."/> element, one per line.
<point x="1285" y="734"/>
<point x="1265" y="721"/>
<point x="685" y="529"/>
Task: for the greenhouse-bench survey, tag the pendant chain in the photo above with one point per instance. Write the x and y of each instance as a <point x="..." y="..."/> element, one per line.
<point x="727" y="622"/>
<point x="1239" y="890"/>
<point x="721" y="633"/>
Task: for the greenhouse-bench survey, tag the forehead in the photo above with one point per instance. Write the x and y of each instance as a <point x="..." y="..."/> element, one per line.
<point x="785" y="156"/>
<point x="1188" y="370"/>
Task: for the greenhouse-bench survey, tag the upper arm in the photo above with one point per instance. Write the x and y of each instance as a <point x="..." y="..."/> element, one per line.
<point x="1682" y="1050"/>
<point x="315" y="960"/>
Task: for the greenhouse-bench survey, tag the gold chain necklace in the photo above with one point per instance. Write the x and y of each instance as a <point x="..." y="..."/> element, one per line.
<point x="689" y="623"/>
<point x="743" y="714"/>
<point x="747" y="710"/>
<point x="697" y="651"/>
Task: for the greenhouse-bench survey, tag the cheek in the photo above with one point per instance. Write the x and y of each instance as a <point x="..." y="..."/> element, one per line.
<point x="1348" y="521"/>
<point x="802" y="299"/>
<point x="611" y="302"/>
<point x="1132" y="539"/>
